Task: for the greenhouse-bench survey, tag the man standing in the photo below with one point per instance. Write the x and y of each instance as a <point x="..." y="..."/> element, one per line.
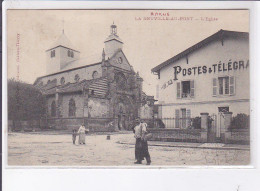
<point x="141" y="146"/>
<point x="145" y="151"/>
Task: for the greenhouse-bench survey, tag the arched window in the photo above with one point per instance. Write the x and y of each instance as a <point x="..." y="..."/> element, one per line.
<point x="62" y="81"/>
<point x="92" y="92"/>
<point x="72" y="108"/>
<point x="94" y="74"/>
<point x="53" y="109"/>
<point x="121" y="81"/>
<point x="68" y="53"/>
<point x="48" y="81"/>
<point x="76" y="78"/>
<point x="72" y="54"/>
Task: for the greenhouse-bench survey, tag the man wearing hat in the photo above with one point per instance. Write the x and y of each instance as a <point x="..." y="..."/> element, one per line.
<point x="141" y="147"/>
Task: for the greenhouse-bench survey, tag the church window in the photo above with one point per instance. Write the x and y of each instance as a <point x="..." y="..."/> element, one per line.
<point x="62" y="81"/>
<point x="52" y="53"/>
<point x="94" y="74"/>
<point x="121" y="81"/>
<point x="72" y="108"/>
<point x="48" y="81"/>
<point x="53" y="109"/>
<point x="70" y="53"/>
<point x="76" y="78"/>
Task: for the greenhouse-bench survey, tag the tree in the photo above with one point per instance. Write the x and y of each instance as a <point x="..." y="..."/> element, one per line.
<point x="25" y="102"/>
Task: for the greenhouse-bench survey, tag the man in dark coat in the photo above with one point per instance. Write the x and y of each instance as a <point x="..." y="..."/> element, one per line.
<point x="141" y="146"/>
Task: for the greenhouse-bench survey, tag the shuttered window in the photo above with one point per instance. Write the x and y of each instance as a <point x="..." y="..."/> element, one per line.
<point x="177" y="118"/>
<point x="178" y="90"/>
<point x="188" y="115"/>
<point x="192" y="88"/>
<point x="231" y="85"/>
<point x="214" y="82"/>
<point x="224" y="85"/>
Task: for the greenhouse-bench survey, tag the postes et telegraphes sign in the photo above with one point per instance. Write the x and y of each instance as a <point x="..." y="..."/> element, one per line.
<point x="214" y="68"/>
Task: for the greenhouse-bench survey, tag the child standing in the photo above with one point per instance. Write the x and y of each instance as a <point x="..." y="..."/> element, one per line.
<point x="74" y="135"/>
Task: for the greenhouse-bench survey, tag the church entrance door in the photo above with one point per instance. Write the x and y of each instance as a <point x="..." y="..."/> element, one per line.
<point x="121" y="122"/>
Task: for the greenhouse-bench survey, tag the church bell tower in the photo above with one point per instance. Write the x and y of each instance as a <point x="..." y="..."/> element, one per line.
<point x="113" y="43"/>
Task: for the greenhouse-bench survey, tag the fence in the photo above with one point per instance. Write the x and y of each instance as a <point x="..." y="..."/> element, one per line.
<point x="170" y="123"/>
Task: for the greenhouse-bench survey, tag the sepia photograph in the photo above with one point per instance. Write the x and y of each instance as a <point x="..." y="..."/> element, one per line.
<point x="128" y="88"/>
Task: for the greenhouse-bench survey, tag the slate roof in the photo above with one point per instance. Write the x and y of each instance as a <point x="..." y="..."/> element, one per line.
<point x="99" y="86"/>
<point x="63" y="41"/>
<point x="113" y="37"/>
<point x="221" y="34"/>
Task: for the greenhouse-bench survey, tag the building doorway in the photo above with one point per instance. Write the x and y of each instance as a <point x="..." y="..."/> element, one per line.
<point x="221" y="120"/>
<point x="212" y="127"/>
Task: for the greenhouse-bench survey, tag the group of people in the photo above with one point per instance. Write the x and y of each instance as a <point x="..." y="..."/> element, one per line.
<point x="82" y="134"/>
<point x="141" y="145"/>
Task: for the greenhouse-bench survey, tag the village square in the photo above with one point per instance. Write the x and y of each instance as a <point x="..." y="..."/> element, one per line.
<point x="96" y="112"/>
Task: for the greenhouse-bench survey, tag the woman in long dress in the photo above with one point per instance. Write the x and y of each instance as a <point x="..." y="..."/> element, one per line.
<point x="82" y="134"/>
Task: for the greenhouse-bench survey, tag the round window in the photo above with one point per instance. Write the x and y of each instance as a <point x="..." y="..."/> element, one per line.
<point x="95" y="75"/>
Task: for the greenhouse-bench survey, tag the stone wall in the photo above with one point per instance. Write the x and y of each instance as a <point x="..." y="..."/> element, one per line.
<point x="176" y="135"/>
<point x="238" y="136"/>
<point x="32" y="125"/>
<point x="98" y="107"/>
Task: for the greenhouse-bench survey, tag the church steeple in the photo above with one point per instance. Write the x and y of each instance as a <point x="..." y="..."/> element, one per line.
<point x="60" y="54"/>
<point x="113" y="43"/>
<point x="113" y="28"/>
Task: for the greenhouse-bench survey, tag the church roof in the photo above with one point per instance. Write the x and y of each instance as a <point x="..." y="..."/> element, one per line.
<point x="113" y="37"/>
<point x="63" y="41"/>
<point x="99" y="87"/>
<point x="86" y="61"/>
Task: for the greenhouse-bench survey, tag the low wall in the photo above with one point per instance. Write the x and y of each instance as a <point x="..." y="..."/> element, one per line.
<point x="238" y="136"/>
<point x="94" y="124"/>
<point x="176" y="135"/>
<point x="32" y="125"/>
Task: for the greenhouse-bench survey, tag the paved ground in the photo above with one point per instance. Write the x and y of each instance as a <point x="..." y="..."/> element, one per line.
<point x="58" y="150"/>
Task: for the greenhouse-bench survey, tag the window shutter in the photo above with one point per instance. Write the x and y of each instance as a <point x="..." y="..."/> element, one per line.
<point x="178" y="90"/>
<point x="188" y="115"/>
<point x="214" y="83"/>
<point x="177" y="118"/>
<point x="192" y="88"/>
<point x="231" y="85"/>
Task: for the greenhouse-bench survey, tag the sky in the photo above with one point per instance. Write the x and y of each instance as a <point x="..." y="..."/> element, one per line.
<point x="147" y="43"/>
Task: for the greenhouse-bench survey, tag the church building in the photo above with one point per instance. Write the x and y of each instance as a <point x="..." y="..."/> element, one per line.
<point x="106" y="95"/>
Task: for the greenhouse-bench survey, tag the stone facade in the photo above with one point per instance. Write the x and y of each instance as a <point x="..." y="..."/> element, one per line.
<point x="106" y="95"/>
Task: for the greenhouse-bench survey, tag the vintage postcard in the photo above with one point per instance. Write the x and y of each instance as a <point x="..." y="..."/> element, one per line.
<point x="128" y="88"/>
